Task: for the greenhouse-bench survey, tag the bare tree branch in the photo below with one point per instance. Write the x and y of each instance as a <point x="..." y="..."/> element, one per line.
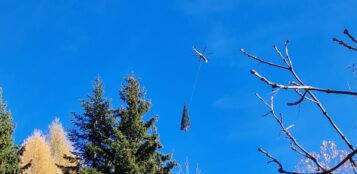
<point x="280" y="55"/>
<point x="281" y="169"/>
<point x="290" y="64"/>
<point x="313" y="97"/>
<point x="302" y="95"/>
<point x="344" y="44"/>
<point x="287" y="132"/>
<point x="347" y="158"/>
<point x="298" y="101"/>
<point x="346" y="32"/>
<point x="353" y="69"/>
<point x="295" y="87"/>
<point x="308" y="90"/>
<point x="261" y="60"/>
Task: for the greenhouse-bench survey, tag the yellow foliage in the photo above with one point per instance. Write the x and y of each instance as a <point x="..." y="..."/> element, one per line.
<point x="59" y="143"/>
<point x="38" y="152"/>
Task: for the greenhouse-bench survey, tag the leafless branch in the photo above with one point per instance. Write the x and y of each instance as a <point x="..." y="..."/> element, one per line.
<point x="346" y="32"/>
<point x="280" y="55"/>
<point x="353" y="69"/>
<point x="281" y="169"/>
<point x="313" y="97"/>
<point x="287" y="132"/>
<point x="298" y="101"/>
<point x="295" y="150"/>
<point x="347" y="158"/>
<point x="308" y="90"/>
<point x="344" y="44"/>
<point x="290" y="64"/>
<point x="302" y="95"/>
<point x="261" y="60"/>
<point x="296" y="87"/>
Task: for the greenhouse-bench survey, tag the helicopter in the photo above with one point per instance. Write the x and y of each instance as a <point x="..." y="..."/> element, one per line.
<point x="200" y="54"/>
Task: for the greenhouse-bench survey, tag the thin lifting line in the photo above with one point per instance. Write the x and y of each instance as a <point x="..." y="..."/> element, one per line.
<point x="194" y="85"/>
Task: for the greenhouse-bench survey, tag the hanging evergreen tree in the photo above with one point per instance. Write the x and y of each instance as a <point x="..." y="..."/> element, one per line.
<point x="135" y="148"/>
<point x="185" y="120"/>
<point x="94" y="128"/>
<point x="9" y="154"/>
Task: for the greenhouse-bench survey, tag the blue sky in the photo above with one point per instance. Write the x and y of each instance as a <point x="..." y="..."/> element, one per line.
<point x="50" y="52"/>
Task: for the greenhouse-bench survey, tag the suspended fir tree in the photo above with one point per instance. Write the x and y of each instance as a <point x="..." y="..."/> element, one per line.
<point x="9" y="153"/>
<point x="185" y="120"/>
<point x="137" y="145"/>
<point x="93" y="130"/>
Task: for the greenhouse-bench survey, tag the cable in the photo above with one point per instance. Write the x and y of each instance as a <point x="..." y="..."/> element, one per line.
<point x="194" y="85"/>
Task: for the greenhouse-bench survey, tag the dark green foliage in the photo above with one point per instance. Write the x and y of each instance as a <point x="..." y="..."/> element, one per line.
<point x="89" y="170"/>
<point x="119" y="141"/>
<point x="137" y="145"/>
<point x="94" y="128"/>
<point x="9" y="154"/>
<point x="185" y="120"/>
<point x="75" y="159"/>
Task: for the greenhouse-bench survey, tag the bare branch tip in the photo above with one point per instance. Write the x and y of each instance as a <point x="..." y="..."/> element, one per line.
<point x="345" y="31"/>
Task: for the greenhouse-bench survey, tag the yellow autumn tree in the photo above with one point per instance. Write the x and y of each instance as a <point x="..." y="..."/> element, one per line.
<point x="59" y="144"/>
<point x="37" y="151"/>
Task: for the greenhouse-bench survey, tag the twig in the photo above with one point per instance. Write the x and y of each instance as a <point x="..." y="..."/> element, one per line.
<point x="290" y="64"/>
<point x="287" y="132"/>
<point x="298" y="101"/>
<point x="294" y="87"/>
<point x="281" y="169"/>
<point x="346" y="32"/>
<point x="307" y="98"/>
<point x="353" y="68"/>
<point x="308" y="89"/>
<point x="318" y="103"/>
<point x="347" y="158"/>
<point x="280" y="55"/>
<point x="344" y="44"/>
<point x="261" y="60"/>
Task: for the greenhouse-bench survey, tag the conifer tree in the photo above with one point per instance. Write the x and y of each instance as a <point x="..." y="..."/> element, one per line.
<point x="39" y="154"/>
<point x="9" y="157"/>
<point x="61" y="147"/>
<point x="185" y="121"/>
<point x="93" y="129"/>
<point x="119" y="141"/>
<point x="137" y="143"/>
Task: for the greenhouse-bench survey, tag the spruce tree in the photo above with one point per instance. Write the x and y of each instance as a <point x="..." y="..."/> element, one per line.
<point x="136" y="144"/>
<point x="93" y="129"/>
<point x="185" y="120"/>
<point x="119" y="141"/>
<point x="9" y="156"/>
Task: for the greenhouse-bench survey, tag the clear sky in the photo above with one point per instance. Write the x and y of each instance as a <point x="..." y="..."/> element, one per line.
<point x="51" y="51"/>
